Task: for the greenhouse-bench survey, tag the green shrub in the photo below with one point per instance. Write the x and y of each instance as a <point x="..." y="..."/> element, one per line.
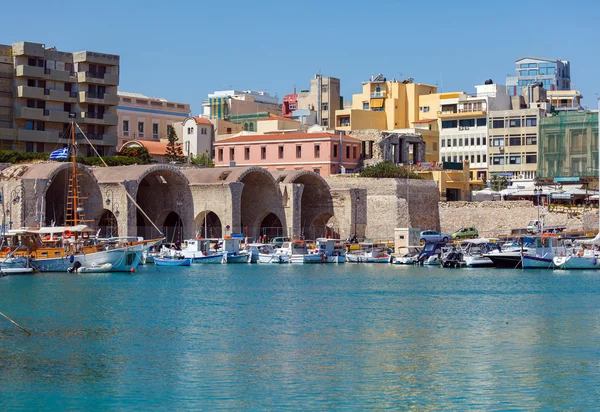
<point x="389" y="170"/>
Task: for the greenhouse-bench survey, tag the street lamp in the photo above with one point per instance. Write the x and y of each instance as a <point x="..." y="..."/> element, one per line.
<point x="110" y="197"/>
<point x="538" y="191"/>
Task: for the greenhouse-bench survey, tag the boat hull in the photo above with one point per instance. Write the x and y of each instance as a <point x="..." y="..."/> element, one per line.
<point x="209" y="259"/>
<point x="172" y="262"/>
<point x="576" y="262"/>
<point x="239" y="258"/>
<point x="502" y="260"/>
<point x="367" y="259"/>
<point x="535" y="262"/>
<point x="311" y="258"/>
<point x="478" y="262"/>
<point x="273" y="258"/>
<point x="121" y="259"/>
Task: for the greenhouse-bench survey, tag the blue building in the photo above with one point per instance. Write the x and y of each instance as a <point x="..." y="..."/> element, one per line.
<point x="553" y="74"/>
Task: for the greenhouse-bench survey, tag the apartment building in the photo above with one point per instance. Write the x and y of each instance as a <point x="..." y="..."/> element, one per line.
<point x="464" y="127"/>
<point x="552" y="73"/>
<point x="42" y="90"/>
<point x="323" y="99"/>
<point x="513" y="136"/>
<point x="148" y="118"/>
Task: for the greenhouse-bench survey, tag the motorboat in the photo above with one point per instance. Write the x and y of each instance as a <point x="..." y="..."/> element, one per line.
<point x="510" y="256"/>
<point x="431" y="254"/>
<point x="172" y="261"/>
<point x="453" y="259"/>
<point x="255" y="248"/>
<point x="298" y="252"/>
<point x="587" y="256"/>
<point x="369" y="253"/>
<point x="232" y="252"/>
<point x="408" y="258"/>
<point x="270" y="254"/>
<point x="474" y="250"/>
<point x="329" y="250"/>
<point x="543" y="251"/>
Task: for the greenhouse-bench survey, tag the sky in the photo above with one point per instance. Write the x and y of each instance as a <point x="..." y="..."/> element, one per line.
<point x="182" y="49"/>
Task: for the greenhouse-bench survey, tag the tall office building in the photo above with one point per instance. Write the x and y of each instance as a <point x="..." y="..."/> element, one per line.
<point x="553" y="74"/>
<point x="42" y="90"/>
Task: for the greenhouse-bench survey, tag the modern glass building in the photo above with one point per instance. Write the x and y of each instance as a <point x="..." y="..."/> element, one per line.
<point x="553" y="74"/>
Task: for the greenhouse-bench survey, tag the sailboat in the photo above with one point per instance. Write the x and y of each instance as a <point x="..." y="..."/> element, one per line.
<point x="57" y="249"/>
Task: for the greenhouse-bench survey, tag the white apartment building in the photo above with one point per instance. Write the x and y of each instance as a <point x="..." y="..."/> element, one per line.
<point x="464" y="129"/>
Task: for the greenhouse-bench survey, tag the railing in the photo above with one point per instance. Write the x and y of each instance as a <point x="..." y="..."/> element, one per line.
<point x="93" y="115"/>
<point x="95" y="75"/>
<point x="479" y="109"/>
<point x="73" y="94"/>
<point x="95" y="136"/>
<point x="447" y="112"/>
<point x="377" y="94"/>
<point x="94" y="95"/>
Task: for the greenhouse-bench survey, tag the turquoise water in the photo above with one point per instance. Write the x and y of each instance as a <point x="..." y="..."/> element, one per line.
<point x="302" y="337"/>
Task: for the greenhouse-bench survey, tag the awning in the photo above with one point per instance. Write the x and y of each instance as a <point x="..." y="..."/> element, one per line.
<point x="61" y="229"/>
<point x="376" y="103"/>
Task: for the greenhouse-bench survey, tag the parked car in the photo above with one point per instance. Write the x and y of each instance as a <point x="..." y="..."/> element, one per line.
<point x="278" y="241"/>
<point x="465" y="233"/>
<point x="434" y="236"/>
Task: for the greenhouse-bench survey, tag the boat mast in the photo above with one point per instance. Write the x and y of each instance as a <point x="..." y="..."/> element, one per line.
<point x="75" y="198"/>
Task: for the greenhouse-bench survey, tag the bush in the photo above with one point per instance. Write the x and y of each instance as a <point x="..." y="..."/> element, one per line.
<point x="9" y="156"/>
<point x="389" y="170"/>
<point x="139" y="153"/>
<point x="110" y="161"/>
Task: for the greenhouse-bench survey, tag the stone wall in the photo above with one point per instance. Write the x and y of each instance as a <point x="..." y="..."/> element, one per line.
<point x="393" y="203"/>
<point x="499" y="218"/>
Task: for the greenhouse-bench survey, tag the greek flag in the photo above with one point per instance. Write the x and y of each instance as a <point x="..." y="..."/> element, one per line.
<point x="60" y="154"/>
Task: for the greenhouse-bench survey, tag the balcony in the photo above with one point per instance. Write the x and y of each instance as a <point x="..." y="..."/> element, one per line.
<point x="376" y="95"/>
<point x="44" y="115"/>
<point x="42" y="136"/>
<point x="105" y="119"/>
<point x="39" y="93"/>
<point x="30" y="71"/>
<point x="95" y="98"/>
<point x="461" y="114"/>
<point x="59" y="75"/>
<point x="98" y="78"/>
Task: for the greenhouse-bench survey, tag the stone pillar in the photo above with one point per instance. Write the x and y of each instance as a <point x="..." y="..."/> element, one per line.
<point x="291" y="194"/>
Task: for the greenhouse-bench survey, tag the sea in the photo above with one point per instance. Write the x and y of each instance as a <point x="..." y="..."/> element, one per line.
<point x="301" y="337"/>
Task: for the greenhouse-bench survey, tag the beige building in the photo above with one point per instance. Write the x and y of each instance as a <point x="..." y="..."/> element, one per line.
<point x="148" y="118"/>
<point x="565" y="99"/>
<point x="323" y="98"/>
<point x="276" y="124"/>
<point x="42" y="90"/>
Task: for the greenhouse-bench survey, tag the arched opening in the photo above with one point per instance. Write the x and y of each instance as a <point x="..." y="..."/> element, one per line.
<point x="271" y="226"/>
<point x="260" y="196"/>
<point x="56" y="195"/>
<point x="208" y="225"/>
<point x="108" y="225"/>
<point x="159" y="194"/>
<point x="316" y="206"/>
<point x="173" y="227"/>
<point x="251" y="127"/>
<point x="324" y="225"/>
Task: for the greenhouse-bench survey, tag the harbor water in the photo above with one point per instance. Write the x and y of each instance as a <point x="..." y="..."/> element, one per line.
<point x="278" y="337"/>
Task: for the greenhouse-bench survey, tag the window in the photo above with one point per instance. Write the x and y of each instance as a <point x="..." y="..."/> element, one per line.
<point x="324" y="88"/>
<point x="31" y="103"/>
<point x="40" y="147"/>
<point x="365" y="105"/>
<point x="467" y="123"/>
<point x="472" y="158"/>
<point x="455" y="159"/>
<point x="530" y="158"/>
<point x="29" y="146"/>
<point x="220" y="155"/>
<point x="246" y="153"/>
<point x="482" y="122"/>
<point x="497" y="160"/>
<point x="514" y="122"/>
<point x="449" y="124"/>
<point x="154" y="128"/>
<point x="29" y="125"/>
<point x="484" y="158"/>
<point x="324" y="106"/>
<point x="514" y="141"/>
<point x="479" y="141"/>
<point x="169" y="128"/>
<point x="354" y="156"/>
<point x="41" y="126"/>
<point x="317" y="171"/>
<point x="478" y="158"/>
<point x="426" y="109"/>
<point x="498" y="124"/>
<point x="317" y="151"/>
<point x="530" y="139"/>
<point x="483" y="141"/>
<point x="228" y="130"/>
<point x="454" y="142"/>
<point x="443" y="159"/>
<point x="141" y="127"/>
<point x="335" y="150"/>
<point x="443" y="142"/>
<point x="125" y="125"/>
<point x="472" y="141"/>
<point x="530" y="122"/>
<point x="460" y="158"/>
<point x="514" y="160"/>
<point x="281" y="152"/>
<point x="449" y="142"/>
<point x="263" y="152"/>
<point x="298" y="151"/>
<point x="466" y="141"/>
<point x="460" y="142"/>
<point x="232" y="154"/>
<point x="325" y="122"/>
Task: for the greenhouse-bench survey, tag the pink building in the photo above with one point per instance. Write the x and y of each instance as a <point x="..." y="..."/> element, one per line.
<point x="318" y="152"/>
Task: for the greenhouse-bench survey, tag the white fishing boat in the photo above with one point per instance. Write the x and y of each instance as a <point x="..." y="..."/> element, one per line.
<point x="270" y="254"/>
<point x="329" y="250"/>
<point x="541" y="254"/>
<point x="369" y="253"/>
<point x="584" y="256"/>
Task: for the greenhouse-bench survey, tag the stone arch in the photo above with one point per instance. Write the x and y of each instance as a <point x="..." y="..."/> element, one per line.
<point x="171" y="224"/>
<point x="107" y="223"/>
<point x="161" y="190"/>
<point x="316" y="202"/>
<point x="260" y="196"/>
<point x="208" y="224"/>
<point x="271" y="226"/>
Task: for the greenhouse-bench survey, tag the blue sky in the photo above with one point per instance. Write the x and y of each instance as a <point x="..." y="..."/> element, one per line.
<point x="182" y="50"/>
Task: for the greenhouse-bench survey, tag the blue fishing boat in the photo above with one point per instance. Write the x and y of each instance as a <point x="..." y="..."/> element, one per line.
<point x="158" y="261"/>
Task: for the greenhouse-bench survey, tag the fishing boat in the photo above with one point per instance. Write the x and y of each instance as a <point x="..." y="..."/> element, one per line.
<point x="369" y="253"/>
<point x="159" y="261"/>
<point x="270" y="254"/>
<point x="329" y="250"/>
<point x="542" y="253"/>
<point x="298" y="252"/>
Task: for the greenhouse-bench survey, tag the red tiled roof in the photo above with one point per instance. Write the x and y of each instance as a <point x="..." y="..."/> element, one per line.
<point x="425" y="121"/>
<point x="154" y="148"/>
<point x="201" y="120"/>
<point x="282" y="136"/>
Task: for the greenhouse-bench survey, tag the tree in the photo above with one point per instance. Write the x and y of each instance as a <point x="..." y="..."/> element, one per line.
<point x="498" y="183"/>
<point x="203" y="160"/>
<point x="174" y="151"/>
<point x="388" y="169"/>
<point x="139" y="153"/>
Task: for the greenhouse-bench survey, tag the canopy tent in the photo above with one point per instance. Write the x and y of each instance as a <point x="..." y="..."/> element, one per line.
<point x="486" y="194"/>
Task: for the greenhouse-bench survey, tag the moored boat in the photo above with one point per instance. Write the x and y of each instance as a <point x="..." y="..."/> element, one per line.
<point x="369" y="253"/>
<point x="169" y="261"/>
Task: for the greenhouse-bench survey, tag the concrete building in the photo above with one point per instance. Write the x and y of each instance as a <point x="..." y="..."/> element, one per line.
<point x="553" y="74"/>
<point x="513" y="136"/>
<point x="231" y="104"/>
<point x="321" y="153"/>
<point x="323" y="98"/>
<point x="464" y="131"/>
<point x="565" y="100"/>
<point x="383" y="105"/>
<point x="42" y="90"/>
<point x="148" y="118"/>
<point x="198" y="137"/>
<point x="453" y="179"/>
<point x="277" y="124"/>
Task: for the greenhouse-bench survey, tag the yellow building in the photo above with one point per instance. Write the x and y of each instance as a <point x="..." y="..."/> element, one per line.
<point x="453" y="184"/>
<point x="383" y="105"/>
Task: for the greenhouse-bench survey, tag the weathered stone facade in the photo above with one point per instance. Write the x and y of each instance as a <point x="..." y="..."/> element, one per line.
<point x="499" y="218"/>
<point x="186" y="201"/>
